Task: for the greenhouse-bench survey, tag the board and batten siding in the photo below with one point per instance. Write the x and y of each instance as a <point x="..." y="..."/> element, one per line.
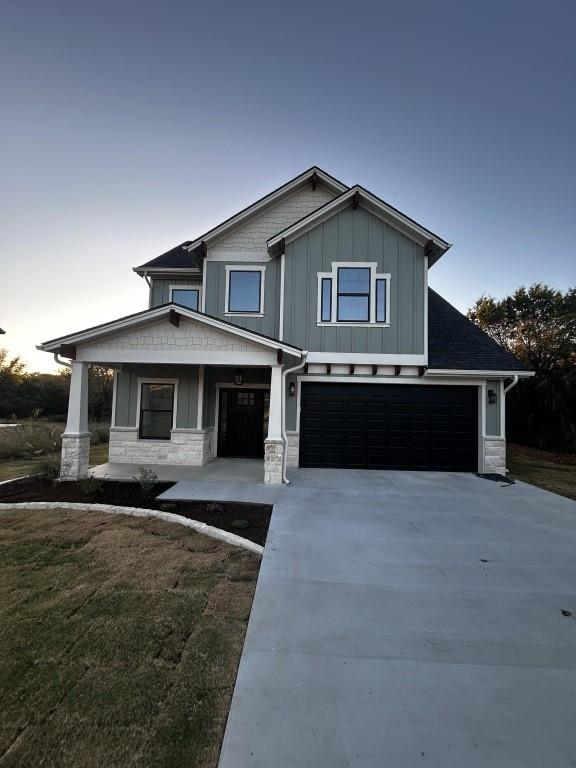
<point x="216" y="296"/>
<point x="160" y="289"/>
<point x="127" y="393"/>
<point x="355" y="235"/>
<point x="493" y="409"/>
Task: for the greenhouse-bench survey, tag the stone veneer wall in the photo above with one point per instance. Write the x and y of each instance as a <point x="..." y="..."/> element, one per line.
<point x="193" y="447"/>
<point x="495" y="455"/>
<point x="293" y="449"/>
<point x="273" y="454"/>
<point x="75" y="456"/>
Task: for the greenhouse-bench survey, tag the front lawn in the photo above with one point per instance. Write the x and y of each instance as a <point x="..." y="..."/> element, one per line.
<point x="120" y="640"/>
<point x="11" y="468"/>
<point x="553" y="472"/>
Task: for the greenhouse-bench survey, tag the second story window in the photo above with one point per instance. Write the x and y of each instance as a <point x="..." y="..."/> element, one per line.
<point x="244" y="290"/>
<point x="186" y="297"/>
<point x="353" y="294"/>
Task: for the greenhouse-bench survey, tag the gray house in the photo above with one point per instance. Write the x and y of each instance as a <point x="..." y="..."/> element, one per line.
<point x="302" y="331"/>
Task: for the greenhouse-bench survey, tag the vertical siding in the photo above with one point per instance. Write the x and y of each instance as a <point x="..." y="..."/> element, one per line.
<point x="127" y="392"/>
<point x="493" y="410"/>
<point x="216" y="296"/>
<point x="355" y="236"/>
<point x="160" y="289"/>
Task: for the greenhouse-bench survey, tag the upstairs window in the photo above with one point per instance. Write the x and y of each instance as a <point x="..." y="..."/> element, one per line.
<point x="245" y="290"/>
<point x="186" y="297"/>
<point x="353" y="294"/>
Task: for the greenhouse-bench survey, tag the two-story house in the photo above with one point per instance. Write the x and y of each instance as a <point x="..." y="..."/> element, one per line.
<point x="302" y="331"/>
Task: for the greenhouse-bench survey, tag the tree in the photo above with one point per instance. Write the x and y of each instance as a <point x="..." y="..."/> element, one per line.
<point x="538" y="325"/>
<point x="11" y="369"/>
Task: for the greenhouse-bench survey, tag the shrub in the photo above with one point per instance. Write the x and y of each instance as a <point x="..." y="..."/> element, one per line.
<point x="30" y="439"/>
<point x="147" y="479"/>
<point x="90" y="486"/>
<point x="50" y="468"/>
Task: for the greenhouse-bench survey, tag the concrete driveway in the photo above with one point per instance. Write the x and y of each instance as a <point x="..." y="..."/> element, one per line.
<point x="409" y="619"/>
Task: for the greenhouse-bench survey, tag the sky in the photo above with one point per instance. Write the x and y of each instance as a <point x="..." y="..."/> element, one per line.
<point x="127" y="127"/>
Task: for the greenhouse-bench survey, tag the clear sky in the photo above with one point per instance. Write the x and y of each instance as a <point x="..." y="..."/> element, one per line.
<point x="128" y="127"/>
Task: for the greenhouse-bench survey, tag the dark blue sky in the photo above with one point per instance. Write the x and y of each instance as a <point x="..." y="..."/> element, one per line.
<point x="128" y="127"/>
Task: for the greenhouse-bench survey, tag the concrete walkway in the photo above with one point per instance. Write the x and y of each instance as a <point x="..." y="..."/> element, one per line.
<point x="407" y="619"/>
<point x="217" y="470"/>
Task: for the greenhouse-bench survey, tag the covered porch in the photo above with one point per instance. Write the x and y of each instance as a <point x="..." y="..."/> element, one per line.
<point x="191" y="392"/>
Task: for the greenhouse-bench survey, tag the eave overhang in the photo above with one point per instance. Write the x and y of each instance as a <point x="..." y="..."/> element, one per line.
<point x="313" y="176"/>
<point x="171" y="312"/>
<point x="483" y="374"/>
<point x="434" y="245"/>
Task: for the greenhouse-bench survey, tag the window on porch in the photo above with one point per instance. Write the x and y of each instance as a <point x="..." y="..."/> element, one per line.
<point x="156" y="411"/>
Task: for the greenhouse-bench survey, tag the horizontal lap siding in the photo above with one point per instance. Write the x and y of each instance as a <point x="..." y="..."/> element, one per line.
<point x="355" y="236"/>
<point x="392" y="426"/>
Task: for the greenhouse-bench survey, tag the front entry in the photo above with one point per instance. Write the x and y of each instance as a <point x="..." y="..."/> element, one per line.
<point x="243" y="422"/>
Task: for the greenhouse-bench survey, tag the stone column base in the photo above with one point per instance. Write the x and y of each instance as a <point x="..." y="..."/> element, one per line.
<point x="273" y="455"/>
<point x="75" y="456"/>
<point x="293" y="449"/>
<point x="495" y="455"/>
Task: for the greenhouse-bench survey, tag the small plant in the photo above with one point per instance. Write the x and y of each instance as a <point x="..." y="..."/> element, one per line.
<point x="148" y="480"/>
<point x="51" y="468"/>
<point x="169" y="506"/>
<point x="214" y="509"/>
<point x="90" y="486"/>
<point x="239" y="524"/>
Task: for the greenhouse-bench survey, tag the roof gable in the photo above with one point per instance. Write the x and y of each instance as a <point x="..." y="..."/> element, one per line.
<point x="355" y="196"/>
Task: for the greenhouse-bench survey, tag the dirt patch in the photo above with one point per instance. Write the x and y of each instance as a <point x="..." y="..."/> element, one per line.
<point x="248" y="520"/>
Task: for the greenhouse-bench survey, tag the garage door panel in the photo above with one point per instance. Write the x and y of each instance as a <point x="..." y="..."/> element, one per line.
<point x="389" y="426"/>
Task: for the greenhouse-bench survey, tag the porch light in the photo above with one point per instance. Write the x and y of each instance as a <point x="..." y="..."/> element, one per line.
<point x="239" y="377"/>
<point x="292" y="389"/>
<point x="492" y="396"/>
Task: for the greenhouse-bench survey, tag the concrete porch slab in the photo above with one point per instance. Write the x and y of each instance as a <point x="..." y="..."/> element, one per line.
<point x="219" y="470"/>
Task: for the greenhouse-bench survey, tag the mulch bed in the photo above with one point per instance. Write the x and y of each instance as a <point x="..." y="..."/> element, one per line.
<point x="230" y="516"/>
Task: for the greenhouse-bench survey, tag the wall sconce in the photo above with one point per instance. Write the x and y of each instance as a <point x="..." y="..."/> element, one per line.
<point x="492" y="396"/>
<point x="292" y="389"/>
<point x="239" y="377"/>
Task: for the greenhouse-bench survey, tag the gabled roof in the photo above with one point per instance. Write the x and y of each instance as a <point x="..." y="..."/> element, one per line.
<point x="177" y="258"/>
<point x="312" y="175"/>
<point x="357" y="195"/>
<point x="456" y="343"/>
<point x="164" y="310"/>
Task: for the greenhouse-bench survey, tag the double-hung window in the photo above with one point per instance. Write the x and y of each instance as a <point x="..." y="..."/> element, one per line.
<point x="185" y="296"/>
<point x="244" y="290"/>
<point x="156" y="409"/>
<point x="353" y="293"/>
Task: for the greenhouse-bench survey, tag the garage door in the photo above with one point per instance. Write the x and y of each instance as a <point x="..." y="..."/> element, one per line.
<point x="389" y="426"/>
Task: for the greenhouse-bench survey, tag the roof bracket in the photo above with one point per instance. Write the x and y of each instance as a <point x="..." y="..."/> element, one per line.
<point x="68" y="350"/>
<point x="174" y="318"/>
<point x="355" y="200"/>
<point x="421" y="370"/>
<point x="203" y="249"/>
<point x="314" y="180"/>
<point x="429" y="248"/>
<point x="397" y="369"/>
<point x="280" y="357"/>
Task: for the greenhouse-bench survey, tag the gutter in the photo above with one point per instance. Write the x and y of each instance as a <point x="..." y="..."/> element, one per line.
<point x="285" y="373"/>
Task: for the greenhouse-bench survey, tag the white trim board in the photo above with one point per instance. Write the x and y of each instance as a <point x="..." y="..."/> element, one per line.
<point x="486" y="374"/>
<point x="365" y="358"/>
<point x="244" y="268"/>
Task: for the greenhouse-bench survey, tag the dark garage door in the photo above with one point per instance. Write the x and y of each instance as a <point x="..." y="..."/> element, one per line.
<point x="389" y="426"/>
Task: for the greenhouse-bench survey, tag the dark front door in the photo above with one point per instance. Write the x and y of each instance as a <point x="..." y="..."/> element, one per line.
<point x="241" y="422"/>
<point x="389" y="426"/>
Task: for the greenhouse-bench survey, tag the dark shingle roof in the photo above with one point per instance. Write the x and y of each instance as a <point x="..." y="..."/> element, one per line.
<point x="175" y="258"/>
<point x="454" y="342"/>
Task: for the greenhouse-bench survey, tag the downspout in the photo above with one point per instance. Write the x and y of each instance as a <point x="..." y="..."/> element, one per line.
<point x="62" y="362"/>
<point x="511" y="385"/>
<point x="285" y="373"/>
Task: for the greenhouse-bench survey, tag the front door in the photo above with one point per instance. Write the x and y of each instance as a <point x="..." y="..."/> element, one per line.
<point x="242" y="423"/>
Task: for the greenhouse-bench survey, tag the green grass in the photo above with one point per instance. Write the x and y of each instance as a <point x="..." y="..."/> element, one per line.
<point x="120" y="640"/>
<point x="550" y="471"/>
<point x="11" y="468"/>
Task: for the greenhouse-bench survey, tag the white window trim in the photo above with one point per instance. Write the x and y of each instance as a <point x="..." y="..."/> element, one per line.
<point x="244" y="268"/>
<point x="194" y="287"/>
<point x="156" y="380"/>
<point x="333" y="275"/>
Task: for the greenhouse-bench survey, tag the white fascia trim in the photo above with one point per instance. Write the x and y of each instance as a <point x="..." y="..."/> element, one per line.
<point x="156" y="380"/>
<point x="245" y="268"/>
<point x="362" y="358"/>
<point x="273" y="197"/>
<point x="372" y="204"/>
<point x="385" y="380"/>
<point x="111" y="357"/>
<point x="482" y="374"/>
<point x="158" y="312"/>
<point x="166" y="270"/>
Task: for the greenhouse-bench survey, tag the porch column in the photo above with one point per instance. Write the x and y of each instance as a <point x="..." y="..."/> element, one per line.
<point x="273" y="445"/>
<point x="76" y="438"/>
